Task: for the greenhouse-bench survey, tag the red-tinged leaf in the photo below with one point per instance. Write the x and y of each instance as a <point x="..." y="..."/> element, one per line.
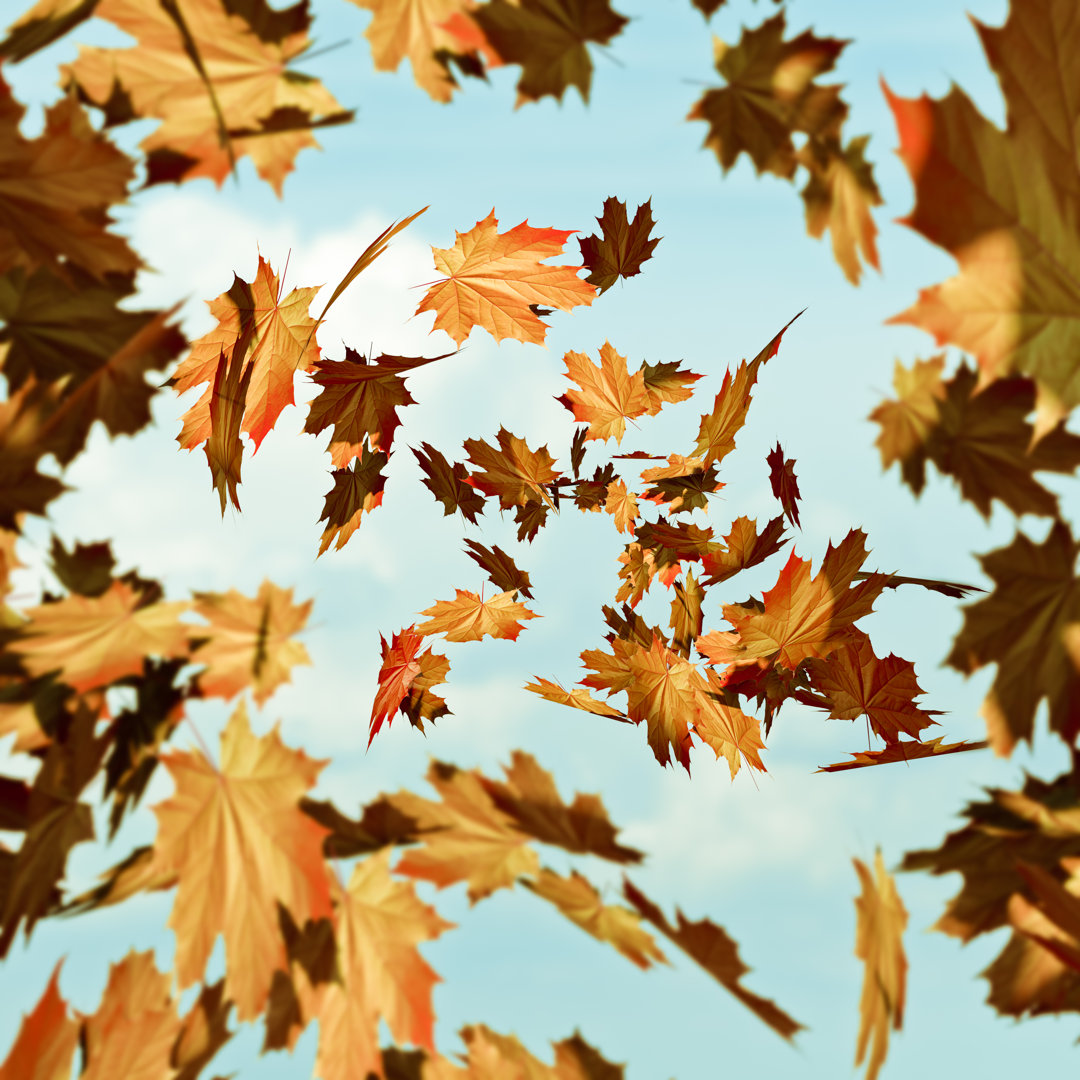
<point x="45" y="1045"/>
<point x="399" y="668"/>
<point x="785" y="486"/>
<point x="468" y="618"/>
<point x="708" y="945"/>
<point x="450" y="484"/>
<point x="903" y="750"/>
<point x="622" y="246"/>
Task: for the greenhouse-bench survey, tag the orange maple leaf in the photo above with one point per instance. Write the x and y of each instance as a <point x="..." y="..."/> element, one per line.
<point x="402" y="665"/>
<point x="282" y="337"/>
<point x="609" y="394"/>
<point x="258" y="107"/>
<point x="248" y="641"/>
<point x="468" y="618"/>
<point x="880" y="922"/>
<point x="494" y="279"/>
<point x="903" y="750"/>
<point x="380" y="922"/>
<point x="240" y="845"/>
<point x="802" y="616"/>
<point x="93" y="641"/>
<point x="46" y="1042"/>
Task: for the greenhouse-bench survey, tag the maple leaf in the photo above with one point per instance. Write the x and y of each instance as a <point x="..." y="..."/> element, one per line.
<point x="856" y="682"/>
<point x="420" y="703"/>
<point x="684" y="484"/>
<point x="577" y="697"/>
<point x="133" y="1031"/>
<point x="531" y="800"/>
<point x="466" y="836"/>
<point x="609" y="394"/>
<point x="622" y="246"/>
<point x="770" y="94"/>
<point x="667" y="384"/>
<point x="838" y="197"/>
<point x="468" y="618"/>
<point x="380" y="922"/>
<point x="45" y="1044"/>
<point x="744" y="547"/>
<point x="501" y="569"/>
<point x="1012" y="303"/>
<point x="24" y="419"/>
<point x="357" y="491"/>
<point x="449" y="483"/>
<point x="980" y="437"/>
<point x="93" y="641"/>
<point x="203" y="1031"/>
<point x="785" y="485"/>
<point x="802" y="616"/>
<point x="1025" y="625"/>
<point x="493" y="279"/>
<point x="71" y="332"/>
<point x="224" y="448"/>
<point x="492" y="1055"/>
<point x="248" y="641"/>
<point x="361" y="398"/>
<point x="216" y="79"/>
<point x="686" y="615"/>
<point x="405" y="674"/>
<point x="42" y="24"/>
<point x="281" y="333"/>
<point x="547" y="38"/>
<point x="903" y="750"/>
<point x="577" y="898"/>
<point x="240" y="844"/>
<point x="513" y="472"/>
<point x="415" y="28"/>
<point x="708" y="945"/>
<point x="880" y="922"/>
<point x="716" y="434"/>
<point x="622" y="505"/>
<point x="57" y="189"/>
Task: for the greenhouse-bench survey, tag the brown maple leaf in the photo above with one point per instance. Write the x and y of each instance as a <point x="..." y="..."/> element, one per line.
<point x="880" y="922"/>
<point x="494" y="279"/>
<point x="513" y="472"/>
<point x="357" y="491"/>
<point x="248" y="642"/>
<point x="622" y="245"/>
<point x="501" y="569"/>
<point x="785" y="485"/>
<point x="548" y="38"/>
<point x="217" y="81"/>
<point x="667" y="383"/>
<point x="449" y="483"/>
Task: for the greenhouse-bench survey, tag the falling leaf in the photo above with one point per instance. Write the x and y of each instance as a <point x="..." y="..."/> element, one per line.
<point x="45" y="1044"/>
<point x="357" y="491"/>
<point x="667" y="384"/>
<point x="622" y="245"/>
<point x="492" y="279"/>
<point x="513" y="472"/>
<point x="880" y="923"/>
<point x="609" y="394"/>
<point x="449" y="483"/>
<point x="501" y="569"/>
<point x="785" y="485"/>
<point x="468" y="618"/>
<point x="903" y="750"/>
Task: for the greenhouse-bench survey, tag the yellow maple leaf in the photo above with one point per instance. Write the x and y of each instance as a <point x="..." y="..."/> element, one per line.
<point x="468" y="618"/>
<point x="609" y="394"/>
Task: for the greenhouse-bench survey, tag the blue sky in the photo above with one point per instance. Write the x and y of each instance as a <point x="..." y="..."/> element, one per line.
<point x="769" y="861"/>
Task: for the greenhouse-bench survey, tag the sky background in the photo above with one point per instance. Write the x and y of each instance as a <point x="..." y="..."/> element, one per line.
<point x="768" y="857"/>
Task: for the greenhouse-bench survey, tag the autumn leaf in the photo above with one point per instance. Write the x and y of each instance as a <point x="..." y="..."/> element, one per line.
<point x="856" y="682"/>
<point x="94" y="641"/>
<point x="45" y="1044"/>
<point x="513" y="472"/>
<point x="577" y="697"/>
<point x="24" y="420"/>
<point x="357" y="491"/>
<point x="686" y="614"/>
<point x="135" y="1026"/>
<point x="622" y="245"/>
<point x="548" y="38"/>
<point x="58" y="188"/>
<point x="492" y="1055"/>
<point x="683" y="485"/>
<point x="802" y="616"/>
<point x="1026" y="625"/>
<point x="493" y="279"/>
<point x="1011" y="305"/>
<point x="248" y="642"/>
<point x="880" y="922"/>
<point x="609" y="394"/>
<point x="622" y="505"/>
<point x="380" y="922"/>
<point x="501" y="569"/>
<point x="980" y="437"/>
<point x="903" y="750"/>
<point x="708" y="945"/>
<point x="666" y="384"/>
<point x="361" y="398"/>
<point x="282" y="339"/>
<point x="224" y="448"/>
<point x="770" y="94"/>
<point x="468" y="618"/>
<point x="239" y="98"/>
<point x="577" y="898"/>
<point x="417" y="30"/>
<point x="403" y="667"/>
<point x="743" y="547"/>
<point x="716" y="434"/>
<point x="43" y="24"/>
<point x="785" y="485"/>
<point x="466" y="836"/>
<point x="240" y="844"/>
<point x="449" y="483"/>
